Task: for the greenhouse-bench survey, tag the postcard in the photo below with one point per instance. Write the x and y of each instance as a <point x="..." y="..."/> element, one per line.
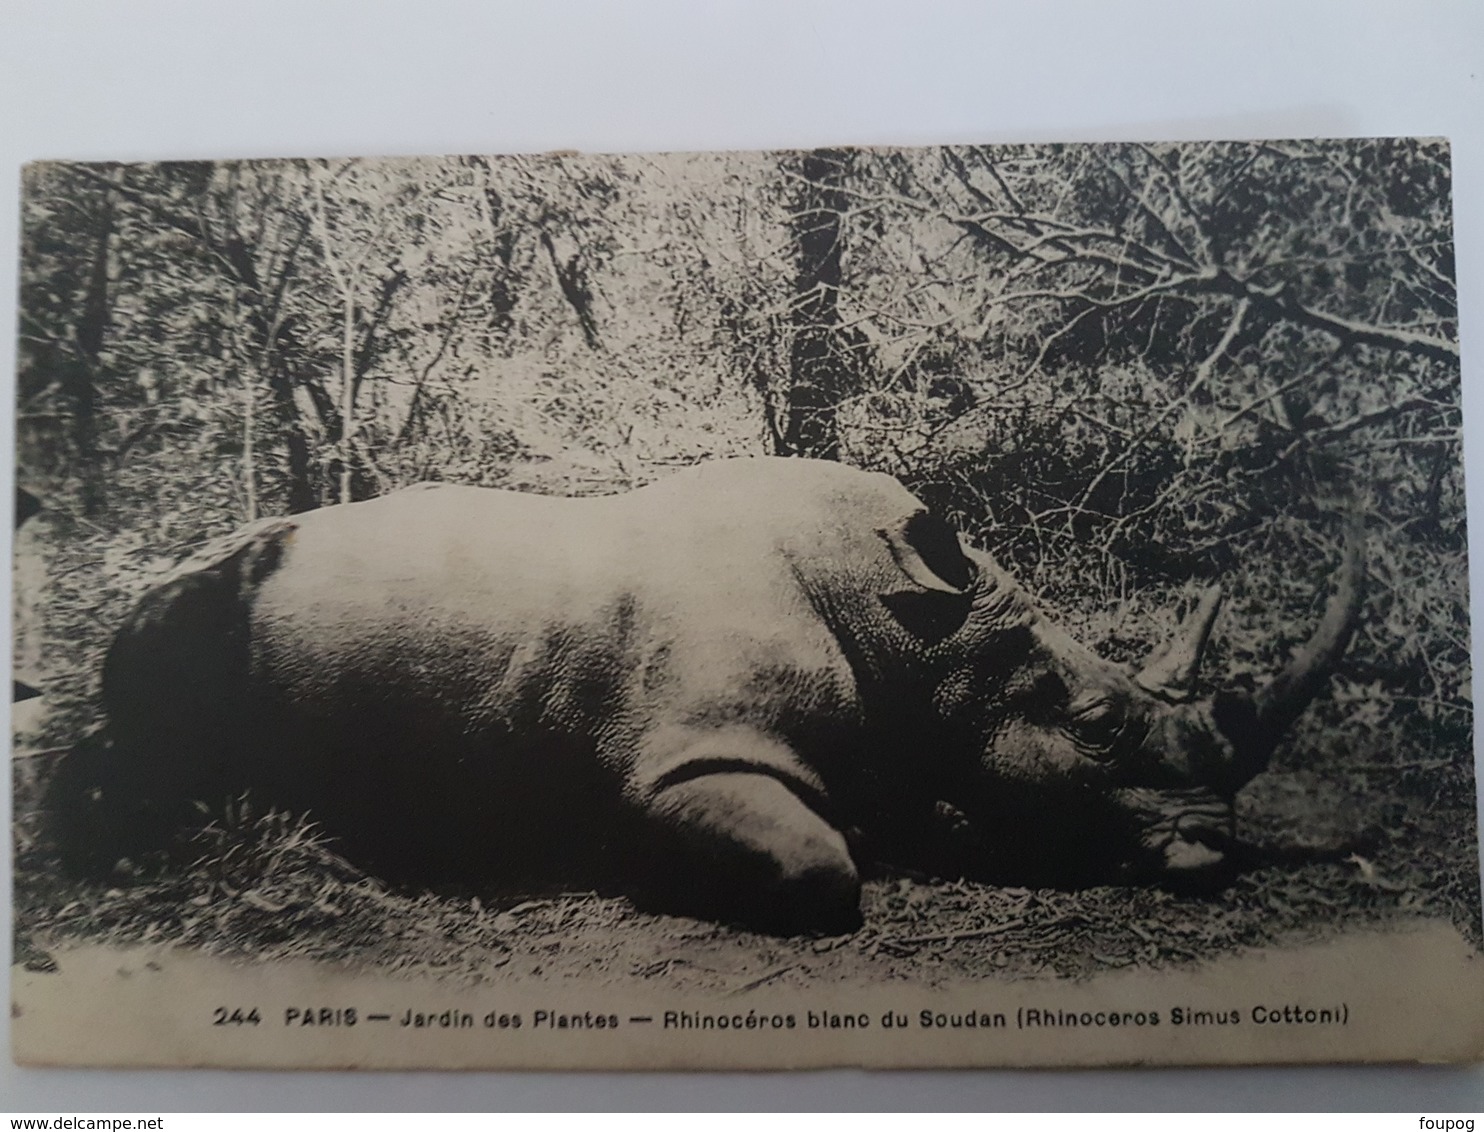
<point x="949" y="606"/>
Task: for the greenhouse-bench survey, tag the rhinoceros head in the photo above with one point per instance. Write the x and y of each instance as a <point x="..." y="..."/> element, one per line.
<point x="1059" y="767"/>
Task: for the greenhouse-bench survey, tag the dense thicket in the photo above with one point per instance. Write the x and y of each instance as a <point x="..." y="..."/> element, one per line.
<point x="1125" y="369"/>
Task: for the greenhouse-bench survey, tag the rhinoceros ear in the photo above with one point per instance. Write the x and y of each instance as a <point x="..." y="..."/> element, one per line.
<point x="927" y="551"/>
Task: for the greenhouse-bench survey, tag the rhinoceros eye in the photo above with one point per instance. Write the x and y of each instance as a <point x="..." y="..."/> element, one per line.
<point x="1097" y="722"/>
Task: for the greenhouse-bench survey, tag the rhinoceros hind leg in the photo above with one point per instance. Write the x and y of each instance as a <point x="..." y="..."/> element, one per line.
<point x="103" y="810"/>
<point x="741" y="847"/>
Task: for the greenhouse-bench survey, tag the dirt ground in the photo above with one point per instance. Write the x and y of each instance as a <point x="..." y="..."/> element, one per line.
<point x="267" y="887"/>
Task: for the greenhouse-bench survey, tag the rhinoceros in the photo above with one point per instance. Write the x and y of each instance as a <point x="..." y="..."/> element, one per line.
<point x="722" y="694"/>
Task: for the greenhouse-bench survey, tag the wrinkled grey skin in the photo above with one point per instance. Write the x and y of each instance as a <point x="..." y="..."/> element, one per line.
<point x="722" y="694"/>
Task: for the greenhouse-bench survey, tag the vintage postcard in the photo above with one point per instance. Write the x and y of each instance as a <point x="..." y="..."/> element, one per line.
<point x="959" y="606"/>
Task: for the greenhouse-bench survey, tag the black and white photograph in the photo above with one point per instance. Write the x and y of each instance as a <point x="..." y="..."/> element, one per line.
<point x="945" y="606"/>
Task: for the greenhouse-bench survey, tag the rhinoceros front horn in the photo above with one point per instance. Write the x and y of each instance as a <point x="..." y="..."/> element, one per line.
<point x="1254" y="723"/>
<point x="1170" y="671"/>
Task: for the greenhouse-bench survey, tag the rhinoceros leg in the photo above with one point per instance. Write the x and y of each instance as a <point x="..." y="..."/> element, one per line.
<point x="740" y="846"/>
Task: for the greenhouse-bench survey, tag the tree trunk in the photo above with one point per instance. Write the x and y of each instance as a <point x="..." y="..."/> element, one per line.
<point x="302" y="495"/>
<point x="822" y="359"/>
<point x="348" y="388"/>
<point x="278" y="341"/>
<point x="80" y="375"/>
<point x="249" y="472"/>
<point x="572" y="279"/>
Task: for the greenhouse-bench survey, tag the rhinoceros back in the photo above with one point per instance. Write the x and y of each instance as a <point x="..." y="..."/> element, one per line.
<point x="451" y="609"/>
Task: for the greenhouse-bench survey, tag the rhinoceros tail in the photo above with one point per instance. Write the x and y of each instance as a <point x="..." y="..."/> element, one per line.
<point x="173" y="689"/>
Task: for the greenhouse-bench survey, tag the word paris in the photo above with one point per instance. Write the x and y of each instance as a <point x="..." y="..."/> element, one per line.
<point x="1010" y="600"/>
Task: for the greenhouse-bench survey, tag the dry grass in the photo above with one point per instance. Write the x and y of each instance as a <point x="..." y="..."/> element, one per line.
<point x="266" y="886"/>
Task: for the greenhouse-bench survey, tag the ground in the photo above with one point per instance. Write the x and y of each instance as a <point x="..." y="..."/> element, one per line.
<point x="265" y="887"/>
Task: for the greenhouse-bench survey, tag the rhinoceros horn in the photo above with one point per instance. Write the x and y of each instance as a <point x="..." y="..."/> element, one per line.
<point x="1254" y="723"/>
<point x="1170" y="671"/>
